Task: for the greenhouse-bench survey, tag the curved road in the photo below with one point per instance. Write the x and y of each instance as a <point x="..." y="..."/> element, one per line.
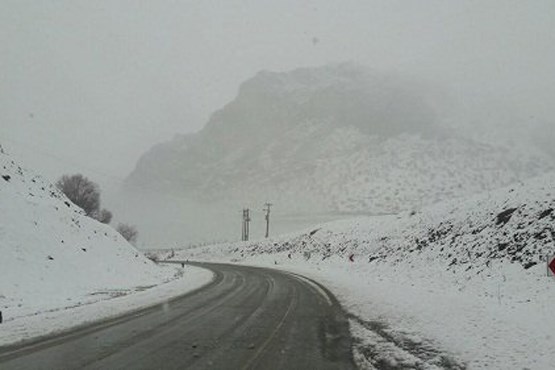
<point x="247" y="318"/>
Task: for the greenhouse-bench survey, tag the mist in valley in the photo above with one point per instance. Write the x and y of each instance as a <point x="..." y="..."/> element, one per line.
<point x="187" y="112"/>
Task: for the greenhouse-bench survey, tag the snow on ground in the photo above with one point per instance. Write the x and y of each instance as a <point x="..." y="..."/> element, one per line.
<point x="459" y="284"/>
<point x="54" y="260"/>
<point x="66" y="318"/>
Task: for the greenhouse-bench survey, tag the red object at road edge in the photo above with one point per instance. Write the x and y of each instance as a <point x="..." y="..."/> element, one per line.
<point x="552" y="265"/>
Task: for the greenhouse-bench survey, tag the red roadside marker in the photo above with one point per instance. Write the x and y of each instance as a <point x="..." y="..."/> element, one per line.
<point x="551" y="265"/>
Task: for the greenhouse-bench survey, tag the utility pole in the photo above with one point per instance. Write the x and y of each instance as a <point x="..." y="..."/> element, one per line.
<point x="267" y="210"/>
<point x="243" y="227"/>
<point x="246" y="220"/>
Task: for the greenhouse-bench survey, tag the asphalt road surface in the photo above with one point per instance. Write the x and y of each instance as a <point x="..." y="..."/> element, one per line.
<point x="247" y="318"/>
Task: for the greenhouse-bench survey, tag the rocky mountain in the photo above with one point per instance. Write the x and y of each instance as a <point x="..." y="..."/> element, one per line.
<point x="339" y="138"/>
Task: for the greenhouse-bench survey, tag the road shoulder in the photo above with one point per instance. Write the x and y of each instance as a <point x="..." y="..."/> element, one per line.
<point x="24" y="330"/>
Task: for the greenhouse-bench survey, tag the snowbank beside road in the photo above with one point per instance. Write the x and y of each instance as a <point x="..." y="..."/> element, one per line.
<point x="54" y="259"/>
<point x="458" y="284"/>
<point x="66" y="318"/>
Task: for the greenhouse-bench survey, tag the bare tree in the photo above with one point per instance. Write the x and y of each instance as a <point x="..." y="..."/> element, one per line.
<point x="129" y="232"/>
<point x="81" y="191"/>
<point x="103" y="216"/>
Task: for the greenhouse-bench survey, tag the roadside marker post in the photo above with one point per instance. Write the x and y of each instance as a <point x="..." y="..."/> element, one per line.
<point x="551" y="265"/>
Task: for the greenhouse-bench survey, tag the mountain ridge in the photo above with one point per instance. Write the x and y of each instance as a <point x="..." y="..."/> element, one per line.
<point x="337" y="138"/>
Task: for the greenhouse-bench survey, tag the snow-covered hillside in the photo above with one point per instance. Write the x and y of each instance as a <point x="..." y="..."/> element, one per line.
<point x="53" y="257"/>
<point x="463" y="282"/>
<point x="515" y="225"/>
<point x="338" y="138"/>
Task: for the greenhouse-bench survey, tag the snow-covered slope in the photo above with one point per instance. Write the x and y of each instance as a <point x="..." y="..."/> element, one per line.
<point x="337" y="138"/>
<point x="463" y="282"/>
<point x="513" y="225"/>
<point x="53" y="256"/>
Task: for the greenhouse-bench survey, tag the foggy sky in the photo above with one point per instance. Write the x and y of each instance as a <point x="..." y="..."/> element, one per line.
<point x="90" y="85"/>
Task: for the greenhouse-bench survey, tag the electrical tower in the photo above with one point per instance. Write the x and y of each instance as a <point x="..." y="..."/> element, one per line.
<point x="267" y="210"/>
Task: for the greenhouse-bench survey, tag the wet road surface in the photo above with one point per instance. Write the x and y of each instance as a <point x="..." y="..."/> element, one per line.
<point x="247" y="318"/>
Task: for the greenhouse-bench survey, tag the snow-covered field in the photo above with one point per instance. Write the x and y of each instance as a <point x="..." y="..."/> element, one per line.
<point x="59" y="268"/>
<point x="459" y="284"/>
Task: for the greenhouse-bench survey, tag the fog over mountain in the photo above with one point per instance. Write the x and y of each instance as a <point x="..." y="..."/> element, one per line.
<point x="382" y="171"/>
<point x="329" y="140"/>
<point x="89" y="87"/>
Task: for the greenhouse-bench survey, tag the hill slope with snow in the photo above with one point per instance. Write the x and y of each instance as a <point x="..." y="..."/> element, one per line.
<point x="338" y="138"/>
<point x="53" y="256"/>
<point x="459" y="283"/>
<point x="514" y="225"/>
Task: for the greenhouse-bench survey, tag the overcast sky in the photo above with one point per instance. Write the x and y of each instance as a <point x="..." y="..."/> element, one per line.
<point x="91" y="85"/>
